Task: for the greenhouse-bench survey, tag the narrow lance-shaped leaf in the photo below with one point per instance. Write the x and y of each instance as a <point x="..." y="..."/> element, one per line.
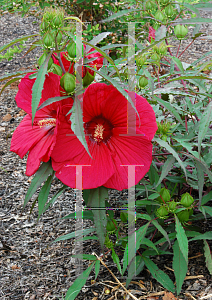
<point x="8" y="76"/>
<point x="119" y="14"/>
<point x="98" y="39"/>
<point x="75" y="288"/>
<point x="97" y="202"/>
<point x="179" y="266"/>
<point x="51" y="100"/>
<point x="203" y="124"/>
<point x="182" y="238"/>
<point x="76" y="119"/>
<point x="116" y="260"/>
<point x="75" y="234"/>
<point x="41" y="175"/>
<point x="9" y="82"/>
<point x="159" y="275"/>
<point x="160" y="228"/>
<point x="208" y="256"/>
<point x="38" y="86"/>
<point x="166" y="168"/>
<point x="170" y="108"/>
<point x="200" y="176"/>
<point x="4" y="47"/>
<point x="43" y="195"/>
<point x="173" y="152"/>
<point x="192" y="21"/>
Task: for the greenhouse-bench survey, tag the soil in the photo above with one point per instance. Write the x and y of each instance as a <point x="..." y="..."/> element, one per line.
<point x="31" y="265"/>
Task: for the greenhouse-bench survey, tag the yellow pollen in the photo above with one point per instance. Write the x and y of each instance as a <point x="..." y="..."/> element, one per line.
<point x="47" y="122"/>
<point x="98" y="133"/>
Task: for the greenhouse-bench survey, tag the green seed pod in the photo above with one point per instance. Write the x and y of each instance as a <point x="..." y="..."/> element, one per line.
<point x="57" y="70"/>
<point x="186" y="200"/>
<point x="162" y="49"/>
<point x="183" y="215"/>
<point x="172" y="206"/>
<point x="169" y="10"/>
<point x="162" y="212"/>
<point x="140" y="60"/>
<point x="164" y="196"/>
<point x="124" y="217"/>
<point x="43" y="58"/>
<point x="59" y="37"/>
<point x="155" y="57"/>
<point x="111" y="225"/>
<point x="159" y="16"/>
<point x="48" y="40"/>
<point x="68" y="83"/>
<point x="72" y="50"/>
<point x="180" y="31"/>
<point x="143" y="81"/>
<point x="88" y="79"/>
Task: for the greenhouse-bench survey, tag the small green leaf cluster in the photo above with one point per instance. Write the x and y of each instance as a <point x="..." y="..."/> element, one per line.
<point x="9" y="54"/>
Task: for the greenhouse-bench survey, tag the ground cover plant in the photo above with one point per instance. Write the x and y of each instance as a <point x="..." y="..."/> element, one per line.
<point x="97" y="124"/>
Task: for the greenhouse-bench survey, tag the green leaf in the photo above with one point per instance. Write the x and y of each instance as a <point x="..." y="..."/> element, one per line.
<point x="179" y="266"/>
<point x="192" y="8"/>
<point x="208" y="257"/>
<point x="84" y="256"/>
<point x="8" y="76"/>
<point x="207" y="198"/>
<point x="54" y="198"/>
<point x="170" y="108"/>
<point x="192" y="21"/>
<point x="203" y="124"/>
<point x="204" y="166"/>
<point x="78" y="233"/>
<point x="97" y="268"/>
<point x="2" y="48"/>
<point x="140" y="234"/>
<point x="159" y="275"/>
<point x="38" y="86"/>
<point x="86" y="215"/>
<point x="75" y="288"/>
<point x="43" y="195"/>
<point x="137" y="265"/>
<point x="170" y="149"/>
<point x="178" y="63"/>
<point x="76" y="119"/>
<point x="166" y="168"/>
<point x="116" y="260"/>
<point x="182" y="238"/>
<point x="120" y="14"/>
<point x="9" y="82"/>
<point x="41" y="175"/>
<point x="204" y="236"/>
<point x="162" y="231"/>
<point x="97" y="202"/>
<point x="51" y="100"/>
<point x="149" y="244"/>
<point x="99" y="38"/>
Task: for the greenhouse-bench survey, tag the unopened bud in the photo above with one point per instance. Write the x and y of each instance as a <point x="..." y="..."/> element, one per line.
<point x="159" y="16"/>
<point x="180" y="31"/>
<point x="186" y="200"/>
<point x="68" y="83"/>
<point x="140" y="60"/>
<point x="183" y="215"/>
<point x="162" y="212"/>
<point x="164" y="195"/>
<point x="169" y="11"/>
<point x="143" y="81"/>
<point x="43" y="58"/>
<point x="48" y="40"/>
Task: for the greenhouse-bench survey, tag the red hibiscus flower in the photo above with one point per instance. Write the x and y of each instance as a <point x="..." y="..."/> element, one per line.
<point x="105" y="123"/>
<point x="69" y="66"/>
<point x="151" y="35"/>
<point x="39" y="139"/>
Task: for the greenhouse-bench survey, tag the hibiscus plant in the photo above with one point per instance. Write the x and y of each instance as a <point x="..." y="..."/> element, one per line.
<point x="140" y="122"/>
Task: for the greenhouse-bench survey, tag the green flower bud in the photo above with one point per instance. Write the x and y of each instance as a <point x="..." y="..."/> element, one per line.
<point x="149" y="5"/>
<point x="72" y="50"/>
<point x="143" y="81"/>
<point x="57" y="70"/>
<point x="162" y="49"/>
<point x="183" y="215"/>
<point x="59" y="37"/>
<point x="190" y="212"/>
<point x="159" y="16"/>
<point x="180" y="31"/>
<point x="111" y="225"/>
<point x="88" y="79"/>
<point x="124" y="217"/>
<point x="68" y="83"/>
<point x="155" y="57"/>
<point x="169" y="11"/>
<point x="58" y="21"/>
<point x="164" y="2"/>
<point x="48" y="40"/>
<point x="186" y="200"/>
<point x="140" y="60"/>
<point x="172" y="206"/>
<point x="162" y="212"/>
<point x="44" y="26"/>
<point x="43" y="58"/>
<point x="164" y="196"/>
